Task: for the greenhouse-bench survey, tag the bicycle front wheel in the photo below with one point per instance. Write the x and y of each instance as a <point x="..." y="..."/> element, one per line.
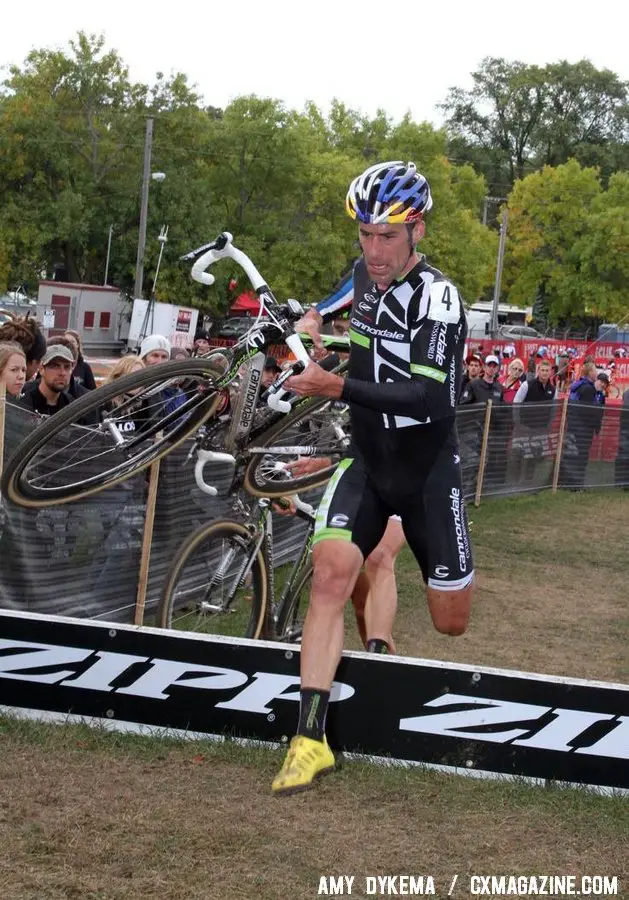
<point x="317" y="428"/>
<point x="217" y="584"/>
<point x="64" y="459"/>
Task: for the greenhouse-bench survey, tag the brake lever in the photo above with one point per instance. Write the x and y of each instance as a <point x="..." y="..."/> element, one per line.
<point x="273" y="394"/>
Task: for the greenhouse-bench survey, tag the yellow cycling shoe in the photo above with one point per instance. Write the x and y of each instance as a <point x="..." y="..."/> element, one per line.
<point x="306" y="760"/>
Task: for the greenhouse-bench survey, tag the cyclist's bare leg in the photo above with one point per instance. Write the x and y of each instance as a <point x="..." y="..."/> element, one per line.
<point x="450" y="610"/>
<point x="336" y="567"/>
<point x="359" y="602"/>
<point x="381" y="600"/>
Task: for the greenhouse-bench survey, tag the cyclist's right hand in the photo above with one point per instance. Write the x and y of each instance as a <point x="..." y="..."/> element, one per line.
<point x="311" y="324"/>
<point x="307" y="465"/>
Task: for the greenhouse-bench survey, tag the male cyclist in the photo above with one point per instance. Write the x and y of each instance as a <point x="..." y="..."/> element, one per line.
<point x="407" y="337"/>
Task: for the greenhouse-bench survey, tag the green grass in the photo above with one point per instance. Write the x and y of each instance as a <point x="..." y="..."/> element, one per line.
<point x="88" y="813"/>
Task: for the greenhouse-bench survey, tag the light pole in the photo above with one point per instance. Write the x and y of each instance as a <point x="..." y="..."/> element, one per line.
<point x="147" y="175"/>
<point x="501" y="253"/>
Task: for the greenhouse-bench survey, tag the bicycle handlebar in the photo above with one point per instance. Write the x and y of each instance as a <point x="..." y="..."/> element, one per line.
<point x="223" y="248"/>
<point x="206" y="456"/>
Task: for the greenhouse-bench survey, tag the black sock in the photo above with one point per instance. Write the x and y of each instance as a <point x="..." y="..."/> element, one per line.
<point x="375" y="645"/>
<point x="312" y="712"/>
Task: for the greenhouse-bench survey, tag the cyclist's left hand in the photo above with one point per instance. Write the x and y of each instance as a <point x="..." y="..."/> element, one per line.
<point x="284" y="506"/>
<point x="316" y="382"/>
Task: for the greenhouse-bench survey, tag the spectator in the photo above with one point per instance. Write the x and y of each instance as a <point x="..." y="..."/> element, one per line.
<point x="25" y="331"/>
<point x="125" y="366"/>
<point x="562" y="379"/>
<point x="531" y="368"/>
<point x="201" y="344"/>
<point x="179" y="353"/>
<point x="82" y="374"/>
<point x="621" y="474"/>
<point x="513" y="380"/>
<point x="480" y="391"/>
<point x="12" y="368"/>
<point x="75" y="389"/>
<point x="50" y="392"/>
<point x="271" y="370"/>
<point x="601" y="385"/>
<point x="473" y="369"/>
<point x="533" y="421"/>
<point x="584" y="420"/>
<point x="154" y="350"/>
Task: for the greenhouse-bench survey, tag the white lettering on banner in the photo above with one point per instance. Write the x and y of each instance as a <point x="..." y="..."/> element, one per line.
<point x="466" y="724"/>
<point x="614" y="744"/>
<point x="493" y="712"/>
<point x="41" y="656"/>
<point x="568" y="724"/>
<point x="269" y="686"/>
<point x="165" y="673"/>
<point x="155" y="681"/>
<point x="105" y="669"/>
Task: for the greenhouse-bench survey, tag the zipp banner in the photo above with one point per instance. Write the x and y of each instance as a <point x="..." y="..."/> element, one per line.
<point x="462" y="717"/>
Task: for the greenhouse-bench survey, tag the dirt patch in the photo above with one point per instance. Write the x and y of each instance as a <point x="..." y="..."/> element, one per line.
<point x="552" y="590"/>
<point x="87" y="816"/>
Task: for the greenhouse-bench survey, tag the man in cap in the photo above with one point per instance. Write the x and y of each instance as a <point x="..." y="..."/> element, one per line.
<point x="49" y="393"/>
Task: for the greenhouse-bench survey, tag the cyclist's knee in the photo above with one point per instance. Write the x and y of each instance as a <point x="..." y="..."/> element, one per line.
<point x="450" y="610"/>
<point x="335" y="572"/>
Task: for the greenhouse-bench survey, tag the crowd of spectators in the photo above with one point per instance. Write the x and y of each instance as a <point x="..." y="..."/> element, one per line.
<point x="45" y="376"/>
<point x="523" y="437"/>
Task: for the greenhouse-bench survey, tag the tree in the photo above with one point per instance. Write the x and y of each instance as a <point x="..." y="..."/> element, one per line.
<point x="569" y="241"/>
<point x="518" y="117"/>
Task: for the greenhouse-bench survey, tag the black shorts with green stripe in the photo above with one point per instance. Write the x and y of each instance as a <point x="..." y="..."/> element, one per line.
<point x="357" y="505"/>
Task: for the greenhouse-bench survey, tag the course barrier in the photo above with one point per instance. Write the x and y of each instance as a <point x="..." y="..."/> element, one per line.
<point x="466" y="719"/>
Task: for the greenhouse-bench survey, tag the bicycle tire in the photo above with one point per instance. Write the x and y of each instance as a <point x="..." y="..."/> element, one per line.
<point x="15" y="478"/>
<point x="288" y="617"/>
<point x="244" y="623"/>
<point x="258" y="478"/>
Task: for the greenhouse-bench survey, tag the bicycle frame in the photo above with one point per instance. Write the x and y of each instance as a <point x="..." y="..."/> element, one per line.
<point x="277" y="608"/>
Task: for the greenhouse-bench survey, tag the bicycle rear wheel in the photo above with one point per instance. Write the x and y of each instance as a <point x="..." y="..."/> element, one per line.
<point x="217" y="583"/>
<point x="64" y="460"/>
<point x="317" y="428"/>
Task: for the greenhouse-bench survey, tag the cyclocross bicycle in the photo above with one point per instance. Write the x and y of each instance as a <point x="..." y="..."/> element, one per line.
<point x="224" y="580"/>
<point x="62" y="460"/>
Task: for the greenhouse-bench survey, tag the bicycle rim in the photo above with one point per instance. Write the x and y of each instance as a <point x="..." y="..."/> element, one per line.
<point x="217" y="584"/>
<point x="318" y="428"/>
<point x="64" y="460"/>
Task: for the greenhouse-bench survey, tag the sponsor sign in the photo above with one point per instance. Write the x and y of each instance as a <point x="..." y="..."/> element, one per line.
<point x="463" y="717"/>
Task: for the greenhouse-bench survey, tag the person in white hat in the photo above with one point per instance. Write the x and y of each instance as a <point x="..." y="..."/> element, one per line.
<point x="155" y="349"/>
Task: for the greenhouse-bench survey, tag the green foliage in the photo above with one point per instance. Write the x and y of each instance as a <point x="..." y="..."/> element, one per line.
<point x="570" y="238"/>
<point x="518" y="117"/>
<point x="71" y="149"/>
